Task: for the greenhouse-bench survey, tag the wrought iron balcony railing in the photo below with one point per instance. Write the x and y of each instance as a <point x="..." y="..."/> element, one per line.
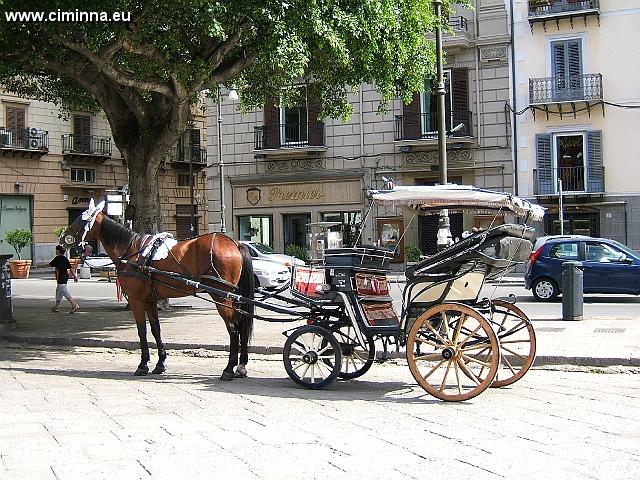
<point x="289" y="135"/>
<point x="185" y="153"/>
<point x="24" y="138"/>
<point x="540" y="8"/>
<point x="425" y="126"/>
<point x="459" y="24"/>
<point x="565" y="88"/>
<point x="574" y="180"/>
<point x="86" y="144"/>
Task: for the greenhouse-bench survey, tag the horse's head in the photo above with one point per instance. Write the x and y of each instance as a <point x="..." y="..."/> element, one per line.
<point x="81" y="228"/>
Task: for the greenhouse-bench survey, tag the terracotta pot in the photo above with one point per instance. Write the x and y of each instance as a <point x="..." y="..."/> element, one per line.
<point x="75" y="263"/>
<point x="20" y="268"/>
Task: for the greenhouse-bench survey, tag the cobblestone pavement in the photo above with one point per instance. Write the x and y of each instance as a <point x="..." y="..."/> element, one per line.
<point x="79" y="413"/>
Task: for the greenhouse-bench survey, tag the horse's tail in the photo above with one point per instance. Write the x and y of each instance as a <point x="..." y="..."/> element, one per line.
<point x="246" y="289"/>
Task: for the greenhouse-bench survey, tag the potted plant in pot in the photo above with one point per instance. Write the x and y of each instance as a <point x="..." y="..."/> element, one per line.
<point x="412" y="254"/>
<point x="19" y="239"/>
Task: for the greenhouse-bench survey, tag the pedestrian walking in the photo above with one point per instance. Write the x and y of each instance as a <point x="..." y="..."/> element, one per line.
<point x="63" y="269"/>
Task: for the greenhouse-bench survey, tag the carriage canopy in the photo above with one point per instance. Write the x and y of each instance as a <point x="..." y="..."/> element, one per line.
<point x="456" y="197"/>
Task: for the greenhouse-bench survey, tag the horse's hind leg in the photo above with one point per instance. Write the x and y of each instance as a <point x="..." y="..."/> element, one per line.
<point x="241" y="371"/>
<point x="138" y="309"/>
<point x="152" y="313"/>
<point x="234" y="343"/>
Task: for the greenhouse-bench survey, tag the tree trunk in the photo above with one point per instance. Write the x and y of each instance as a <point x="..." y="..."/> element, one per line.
<point x="145" y="194"/>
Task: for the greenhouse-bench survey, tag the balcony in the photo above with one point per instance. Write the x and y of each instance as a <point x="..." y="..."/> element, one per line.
<point x="276" y="138"/>
<point x="179" y="157"/>
<point x="566" y="89"/>
<point x="425" y="127"/>
<point x="575" y="180"/>
<point x="24" y="142"/>
<point x="543" y="11"/>
<point x="87" y="148"/>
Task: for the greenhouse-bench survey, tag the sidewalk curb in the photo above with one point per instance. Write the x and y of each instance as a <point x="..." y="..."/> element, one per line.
<point x="541" y="360"/>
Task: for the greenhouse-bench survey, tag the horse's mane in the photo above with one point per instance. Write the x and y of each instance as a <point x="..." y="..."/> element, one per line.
<point x="115" y="235"/>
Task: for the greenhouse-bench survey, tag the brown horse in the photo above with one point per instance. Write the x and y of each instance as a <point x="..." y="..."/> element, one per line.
<point x="212" y="259"/>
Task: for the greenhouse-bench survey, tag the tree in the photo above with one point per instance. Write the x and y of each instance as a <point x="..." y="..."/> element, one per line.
<point x="146" y="72"/>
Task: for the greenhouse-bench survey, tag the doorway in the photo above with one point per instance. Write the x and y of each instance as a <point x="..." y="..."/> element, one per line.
<point x="390" y="231"/>
<point x="15" y="212"/>
<point x="295" y="229"/>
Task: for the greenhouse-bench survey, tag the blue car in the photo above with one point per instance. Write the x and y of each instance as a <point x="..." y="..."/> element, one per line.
<point x="608" y="266"/>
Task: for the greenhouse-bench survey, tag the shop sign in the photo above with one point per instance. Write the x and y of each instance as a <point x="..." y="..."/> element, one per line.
<point x="292" y="194"/>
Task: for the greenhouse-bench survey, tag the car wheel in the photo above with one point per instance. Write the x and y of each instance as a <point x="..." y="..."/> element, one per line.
<point x="544" y="289"/>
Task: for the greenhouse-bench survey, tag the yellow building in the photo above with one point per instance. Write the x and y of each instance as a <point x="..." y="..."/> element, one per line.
<point x="51" y="166"/>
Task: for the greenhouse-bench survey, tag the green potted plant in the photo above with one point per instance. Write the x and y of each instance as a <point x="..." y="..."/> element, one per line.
<point x="59" y="231"/>
<point x="19" y="239"/>
<point x="297" y="252"/>
<point x="412" y="254"/>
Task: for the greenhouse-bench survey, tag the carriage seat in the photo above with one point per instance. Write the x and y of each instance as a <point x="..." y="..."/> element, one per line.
<point x="485" y="246"/>
<point x="310" y="284"/>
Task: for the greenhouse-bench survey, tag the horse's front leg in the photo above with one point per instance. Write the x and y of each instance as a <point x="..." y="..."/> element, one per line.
<point x="152" y="313"/>
<point x="138" y="309"/>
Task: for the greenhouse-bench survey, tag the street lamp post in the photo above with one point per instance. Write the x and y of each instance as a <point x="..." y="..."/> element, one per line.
<point x="233" y="95"/>
<point x="444" y="232"/>
<point x="223" y="227"/>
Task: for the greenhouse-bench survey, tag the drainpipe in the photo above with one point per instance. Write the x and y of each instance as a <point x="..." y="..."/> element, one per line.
<point x="479" y="113"/>
<point x="514" y="123"/>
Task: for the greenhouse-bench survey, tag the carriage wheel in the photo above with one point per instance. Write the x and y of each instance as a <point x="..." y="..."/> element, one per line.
<point x="312" y="357"/>
<point x="517" y="342"/>
<point x="356" y="358"/>
<point x="453" y="352"/>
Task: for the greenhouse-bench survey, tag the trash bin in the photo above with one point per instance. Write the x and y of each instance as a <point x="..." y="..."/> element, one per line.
<point x="572" y="296"/>
<point x="6" y="309"/>
<point x="84" y="272"/>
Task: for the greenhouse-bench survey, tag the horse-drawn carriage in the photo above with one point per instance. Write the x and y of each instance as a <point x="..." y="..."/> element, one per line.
<point x="456" y="344"/>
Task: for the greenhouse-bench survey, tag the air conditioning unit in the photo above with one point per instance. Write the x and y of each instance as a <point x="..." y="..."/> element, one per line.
<point x="34" y="142"/>
<point x="34" y="132"/>
<point x="6" y="138"/>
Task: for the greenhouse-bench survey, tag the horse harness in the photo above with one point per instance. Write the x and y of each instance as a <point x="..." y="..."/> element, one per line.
<point x="141" y="261"/>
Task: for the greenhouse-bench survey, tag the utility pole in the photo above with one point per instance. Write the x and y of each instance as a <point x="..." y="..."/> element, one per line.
<point x="223" y="227"/>
<point x="444" y="232"/>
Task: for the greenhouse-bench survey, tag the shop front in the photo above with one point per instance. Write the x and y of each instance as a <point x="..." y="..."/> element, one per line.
<point x="278" y="214"/>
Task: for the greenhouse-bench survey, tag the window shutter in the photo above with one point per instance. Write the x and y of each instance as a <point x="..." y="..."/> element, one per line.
<point x="460" y="99"/>
<point x="82" y="133"/>
<point x="194" y="138"/>
<point x="411" y="121"/>
<point x="316" y="127"/>
<point x="15" y="118"/>
<point x="595" y="167"/>
<point x="544" y="165"/>
<point x="271" y="132"/>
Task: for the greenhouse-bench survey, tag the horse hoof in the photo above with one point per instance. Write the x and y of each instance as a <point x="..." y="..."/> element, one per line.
<point x="226" y="376"/>
<point x="141" y="371"/>
<point x="159" y="369"/>
<point x="241" y="372"/>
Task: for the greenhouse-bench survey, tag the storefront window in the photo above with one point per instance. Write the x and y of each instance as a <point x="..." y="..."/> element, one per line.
<point x="256" y="229"/>
<point x="350" y="224"/>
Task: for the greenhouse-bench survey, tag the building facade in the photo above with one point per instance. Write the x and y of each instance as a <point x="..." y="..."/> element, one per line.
<point x="576" y="86"/>
<point x="284" y="168"/>
<point x="51" y="166"/>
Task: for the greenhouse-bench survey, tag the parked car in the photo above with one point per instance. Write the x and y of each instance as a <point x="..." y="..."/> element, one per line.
<point x="264" y="252"/>
<point x="270" y="275"/>
<point x="608" y="266"/>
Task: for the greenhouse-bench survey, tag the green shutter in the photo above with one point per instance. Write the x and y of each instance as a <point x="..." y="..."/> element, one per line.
<point x="595" y="166"/>
<point x="544" y="165"/>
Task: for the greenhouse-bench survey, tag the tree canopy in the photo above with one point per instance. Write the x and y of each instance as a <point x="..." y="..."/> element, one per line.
<point x="146" y="72"/>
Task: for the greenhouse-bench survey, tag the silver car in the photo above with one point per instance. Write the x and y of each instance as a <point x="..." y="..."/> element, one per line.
<point x="261" y="251"/>
<point x="270" y="274"/>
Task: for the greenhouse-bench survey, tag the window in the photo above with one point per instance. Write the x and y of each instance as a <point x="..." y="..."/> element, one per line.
<point x="83" y="175"/>
<point x="564" y="251"/>
<point x="600" y="252"/>
<point x="256" y="229"/>
<point x="566" y="70"/>
<point x="184" y="180"/>
<point x="350" y="227"/>
<point x="189" y="146"/>
<point x="575" y="158"/>
<point x="184" y="229"/>
<point x="430" y="105"/>
<point x="82" y="133"/>
<point x="293" y="122"/>
<point x="14" y="133"/>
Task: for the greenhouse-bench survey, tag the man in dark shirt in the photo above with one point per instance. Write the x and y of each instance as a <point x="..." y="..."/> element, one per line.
<point x="62" y="269"/>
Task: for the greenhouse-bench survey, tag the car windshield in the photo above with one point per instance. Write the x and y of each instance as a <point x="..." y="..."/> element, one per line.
<point x="624" y="248"/>
<point x="262" y="248"/>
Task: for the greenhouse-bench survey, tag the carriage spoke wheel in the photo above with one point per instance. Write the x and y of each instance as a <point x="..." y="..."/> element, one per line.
<point x="453" y="352"/>
<point x="356" y="358"/>
<point x="312" y="357"/>
<point x="517" y="342"/>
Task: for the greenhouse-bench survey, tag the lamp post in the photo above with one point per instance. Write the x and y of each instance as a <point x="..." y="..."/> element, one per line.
<point x="233" y="95"/>
<point x="444" y="232"/>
